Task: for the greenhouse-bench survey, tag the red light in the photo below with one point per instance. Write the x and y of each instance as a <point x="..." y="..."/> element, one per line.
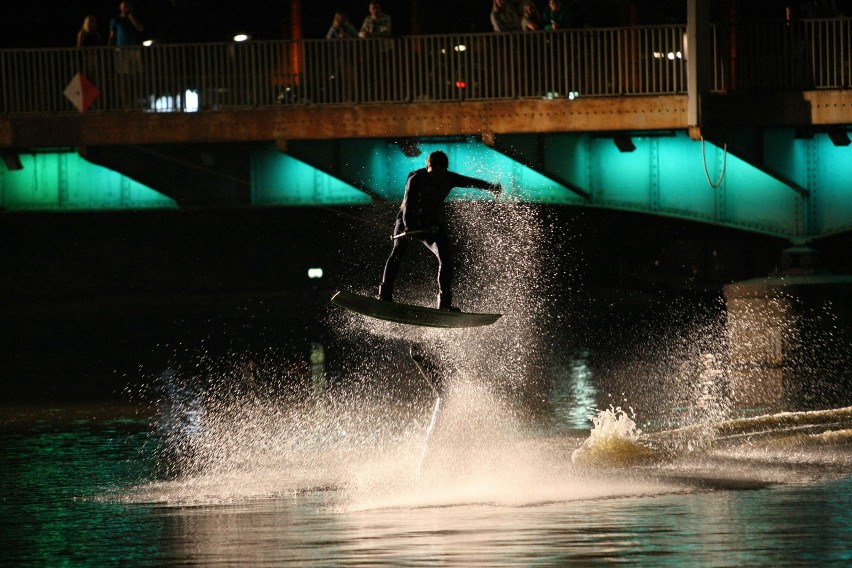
<point x="461" y="84"/>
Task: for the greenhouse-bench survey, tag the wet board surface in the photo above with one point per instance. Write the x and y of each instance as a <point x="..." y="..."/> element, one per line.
<point x="410" y="314"/>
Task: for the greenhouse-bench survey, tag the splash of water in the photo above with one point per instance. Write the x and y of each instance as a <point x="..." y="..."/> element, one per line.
<point x="429" y="431"/>
<point x="614" y="441"/>
<point x="365" y="438"/>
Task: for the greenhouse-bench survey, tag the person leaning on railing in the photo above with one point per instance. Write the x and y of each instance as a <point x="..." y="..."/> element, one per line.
<point x="557" y="16"/>
<point x="531" y="20"/>
<point x="376" y="26"/>
<point x="88" y="36"/>
<point x="340" y="81"/>
<point x="125" y="28"/>
<point x="504" y="18"/>
<point x="124" y="32"/>
<point x="341" y="28"/>
<point x="377" y="23"/>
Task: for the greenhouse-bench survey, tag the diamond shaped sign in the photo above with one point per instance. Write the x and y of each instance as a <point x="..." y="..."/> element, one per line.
<point x="81" y="92"/>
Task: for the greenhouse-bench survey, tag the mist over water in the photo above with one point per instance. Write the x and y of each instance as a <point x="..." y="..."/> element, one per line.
<point x="365" y="435"/>
<point x="509" y="428"/>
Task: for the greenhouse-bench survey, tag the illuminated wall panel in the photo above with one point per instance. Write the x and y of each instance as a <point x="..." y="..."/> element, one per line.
<point x="682" y="187"/>
<point x="519" y="182"/>
<point x="569" y="156"/>
<point x="382" y="167"/>
<point x="755" y="199"/>
<point x="833" y="178"/>
<point x="786" y="155"/>
<point x="663" y="175"/>
<point x="475" y="159"/>
<point x="621" y="179"/>
<point x="65" y="181"/>
<point x="278" y="179"/>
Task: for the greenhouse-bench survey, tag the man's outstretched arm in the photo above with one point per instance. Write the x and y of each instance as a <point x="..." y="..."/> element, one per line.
<point x="465" y="181"/>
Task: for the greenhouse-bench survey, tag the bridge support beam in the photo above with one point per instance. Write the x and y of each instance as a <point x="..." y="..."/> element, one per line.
<point x="531" y="150"/>
<point x="192" y="175"/>
<point x="807" y="162"/>
<point x="699" y="55"/>
<point x="781" y="188"/>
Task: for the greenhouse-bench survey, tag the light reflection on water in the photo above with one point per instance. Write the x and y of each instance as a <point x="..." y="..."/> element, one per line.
<point x="70" y="493"/>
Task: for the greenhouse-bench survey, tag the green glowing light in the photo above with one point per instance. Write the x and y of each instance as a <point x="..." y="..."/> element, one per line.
<point x="66" y="181"/>
<point x="663" y="175"/>
<point x="279" y="179"/>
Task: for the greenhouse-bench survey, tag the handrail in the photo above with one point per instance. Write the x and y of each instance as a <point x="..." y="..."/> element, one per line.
<point x="598" y="62"/>
<point x="451" y="67"/>
<point x="771" y="57"/>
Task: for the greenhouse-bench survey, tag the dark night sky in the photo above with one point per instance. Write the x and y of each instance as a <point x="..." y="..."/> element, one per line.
<point x="47" y="23"/>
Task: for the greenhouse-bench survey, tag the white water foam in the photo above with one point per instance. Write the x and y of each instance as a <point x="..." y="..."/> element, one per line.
<point x="365" y="441"/>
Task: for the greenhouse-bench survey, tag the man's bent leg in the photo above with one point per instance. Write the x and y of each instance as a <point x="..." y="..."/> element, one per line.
<point x="393" y="262"/>
<point x="441" y="249"/>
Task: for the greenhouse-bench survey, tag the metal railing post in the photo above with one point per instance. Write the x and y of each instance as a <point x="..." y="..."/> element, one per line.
<point x="643" y="60"/>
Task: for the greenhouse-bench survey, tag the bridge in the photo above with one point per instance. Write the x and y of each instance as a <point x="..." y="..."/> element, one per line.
<point x="743" y="125"/>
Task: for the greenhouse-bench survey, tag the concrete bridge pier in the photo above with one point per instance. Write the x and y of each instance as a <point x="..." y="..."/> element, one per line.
<point x="790" y="336"/>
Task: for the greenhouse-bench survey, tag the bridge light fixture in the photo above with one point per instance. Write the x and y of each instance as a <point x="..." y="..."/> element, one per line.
<point x="670" y="55"/>
<point x="241" y="37"/>
<point x="12" y="160"/>
<point x="624" y="143"/>
<point x="148" y="43"/>
<point x="315" y="273"/>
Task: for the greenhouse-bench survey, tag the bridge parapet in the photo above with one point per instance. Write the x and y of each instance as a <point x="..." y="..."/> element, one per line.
<point x="465" y="67"/>
<point x="768" y="57"/>
<point x="605" y="79"/>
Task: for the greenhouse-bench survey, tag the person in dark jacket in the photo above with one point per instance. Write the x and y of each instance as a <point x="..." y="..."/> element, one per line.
<point x="419" y="219"/>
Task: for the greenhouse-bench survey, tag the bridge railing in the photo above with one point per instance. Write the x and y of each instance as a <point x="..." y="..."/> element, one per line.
<point x="186" y="77"/>
<point x="570" y="63"/>
<point x="780" y="56"/>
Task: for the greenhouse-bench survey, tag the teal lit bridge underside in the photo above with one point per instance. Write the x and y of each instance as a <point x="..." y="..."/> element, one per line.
<point x="778" y="184"/>
<point x="66" y="181"/>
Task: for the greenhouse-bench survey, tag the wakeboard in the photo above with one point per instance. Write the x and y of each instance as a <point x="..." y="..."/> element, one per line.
<point x="410" y="314"/>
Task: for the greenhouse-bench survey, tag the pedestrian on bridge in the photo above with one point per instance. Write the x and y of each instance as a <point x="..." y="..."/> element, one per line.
<point x="341" y="28"/>
<point x="88" y="36"/>
<point x="124" y="32"/>
<point x="557" y="16"/>
<point x="504" y="17"/>
<point x="377" y="23"/>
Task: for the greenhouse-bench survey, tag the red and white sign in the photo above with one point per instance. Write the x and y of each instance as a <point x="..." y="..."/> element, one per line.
<point x="81" y="92"/>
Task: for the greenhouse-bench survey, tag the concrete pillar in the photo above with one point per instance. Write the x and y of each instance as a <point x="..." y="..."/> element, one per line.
<point x="699" y="58"/>
<point x="790" y="337"/>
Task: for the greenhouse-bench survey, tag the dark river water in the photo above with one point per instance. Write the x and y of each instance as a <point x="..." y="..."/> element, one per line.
<point x="556" y="436"/>
<point x="333" y="486"/>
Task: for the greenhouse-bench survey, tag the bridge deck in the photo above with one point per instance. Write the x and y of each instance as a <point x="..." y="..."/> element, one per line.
<point x="590" y="114"/>
<point x="361" y="121"/>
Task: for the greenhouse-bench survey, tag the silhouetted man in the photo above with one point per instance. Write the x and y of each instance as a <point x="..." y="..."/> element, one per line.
<point x="419" y="219"/>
